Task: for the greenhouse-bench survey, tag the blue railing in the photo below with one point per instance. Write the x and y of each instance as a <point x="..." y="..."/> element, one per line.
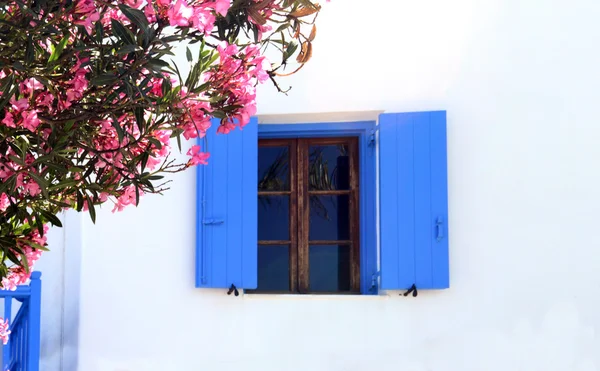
<point x="22" y="352"/>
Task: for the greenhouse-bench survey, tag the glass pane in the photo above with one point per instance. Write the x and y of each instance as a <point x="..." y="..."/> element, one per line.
<point x="329" y="268"/>
<point x="273" y="268"/>
<point x="329" y="168"/>
<point x="274" y="218"/>
<point x="329" y="218"/>
<point x="273" y="169"/>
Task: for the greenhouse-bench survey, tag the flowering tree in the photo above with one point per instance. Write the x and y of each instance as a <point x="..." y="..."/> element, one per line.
<point x="90" y="99"/>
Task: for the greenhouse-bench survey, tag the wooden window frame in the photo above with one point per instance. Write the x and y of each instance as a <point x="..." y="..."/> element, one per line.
<point x="299" y="242"/>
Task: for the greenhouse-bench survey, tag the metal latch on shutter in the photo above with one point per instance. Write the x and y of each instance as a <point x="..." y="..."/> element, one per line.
<point x="213" y="221"/>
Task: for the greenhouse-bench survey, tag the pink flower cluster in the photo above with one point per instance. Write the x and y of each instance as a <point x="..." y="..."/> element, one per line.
<point x="200" y="16"/>
<point x="236" y="77"/>
<point x="232" y="80"/>
<point x="18" y="275"/>
<point x="25" y="184"/>
<point x="4" y="331"/>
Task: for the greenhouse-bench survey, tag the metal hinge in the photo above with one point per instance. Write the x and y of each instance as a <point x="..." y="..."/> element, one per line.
<point x="372" y="138"/>
<point x="374" y="282"/>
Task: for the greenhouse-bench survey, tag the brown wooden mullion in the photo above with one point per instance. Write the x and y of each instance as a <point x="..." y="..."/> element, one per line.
<point x="303" y="216"/>
<point x="354" y="215"/>
<point x="274" y="193"/>
<point x="293" y="217"/>
<point x="329" y="242"/>
<point x="333" y="192"/>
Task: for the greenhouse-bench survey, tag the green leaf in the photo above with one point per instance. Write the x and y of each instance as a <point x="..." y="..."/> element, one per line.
<point x="29" y="50"/>
<point x="157" y="64"/>
<point x="92" y="210"/>
<point x="104" y="79"/>
<point x="18" y="160"/>
<point x="188" y="54"/>
<point x="137" y="17"/>
<point x="50" y="217"/>
<point x="79" y="201"/>
<point x="25" y="263"/>
<point x="37" y="246"/>
<point x="64" y="184"/>
<point x="219" y="114"/>
<point x="60" y="203"/>
<point x="122" y="32"/>
<point x="126" y="49"/>
<point x="291" y="48"/>
<point x="115" y="124"/>
<point x="99" y="32"/>
<point x="69" y="125"/>
<point x="6" y="90"/>
<point x="59" y="48"/>
<point x="139" y="117"/>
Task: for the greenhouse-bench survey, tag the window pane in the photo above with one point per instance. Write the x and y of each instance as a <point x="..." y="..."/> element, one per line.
<point x="273" y="268"/>
<point x="329" y="168"/>
<point x="274" y="218"/>
<point x="273" y="169"/>
<point x="329" y="218"/>
<point x="329" y="268"/>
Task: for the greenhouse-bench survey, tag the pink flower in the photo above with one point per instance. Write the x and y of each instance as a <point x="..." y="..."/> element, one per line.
<point x="222" y="6"/>
<point x="32" y="188"/>
<point x="4" y="331"/>
<point x="9" y="120"/>
<point x="32" y="84"/>
<point x="180" y="14"/>
<point x="126" y="198"/>
<point x="135" y="3"/>
<point x="9" y="282"/>
<point x="21" y="104"/>
<point x="87" y="9"/>
<point x="4" y="203"/>
<point x="225" y="128"/>
<point x="30" y="120"/>
<point x="197" y="156"/>
<point x="150" y="13"/>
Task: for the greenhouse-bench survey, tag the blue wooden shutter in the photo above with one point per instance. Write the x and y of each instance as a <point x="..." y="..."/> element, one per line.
<point x="226" y="235"/>
<point x="414" y="200"/>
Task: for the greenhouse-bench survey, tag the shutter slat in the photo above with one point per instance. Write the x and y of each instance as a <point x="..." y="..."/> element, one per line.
<point x="217" y="233"/>
<point x="227" y="232"/>
<point x="249" y="205"/>
<point x="233" y="193"/>
<point x="388" y="158"/>
<point x="439" y="199"/>
<point x="405" y="211"/>
<point x="413" y="199"/>
<point x="424" y="223"/>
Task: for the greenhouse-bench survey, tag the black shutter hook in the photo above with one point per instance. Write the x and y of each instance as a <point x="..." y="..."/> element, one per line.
<point x="412" y="289"/>
<point x="234" y="290"/>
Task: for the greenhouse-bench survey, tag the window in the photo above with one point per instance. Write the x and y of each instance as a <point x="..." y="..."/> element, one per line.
<point x="308" y="208"/>
<point x="356" y="227"/>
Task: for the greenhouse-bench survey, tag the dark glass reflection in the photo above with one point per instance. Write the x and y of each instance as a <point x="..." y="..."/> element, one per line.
<point x="273" y="169"/>
<point x="329" y="218"/>
<point x="329" y="168"/>
<point x="274" y="218"/>
<point x="273" y="268"/>
<point x="329" y="268"/>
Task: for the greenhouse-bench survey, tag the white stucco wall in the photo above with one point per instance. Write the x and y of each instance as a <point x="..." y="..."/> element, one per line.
<point x="519" y="79"/>
<point x="60" y="295"/>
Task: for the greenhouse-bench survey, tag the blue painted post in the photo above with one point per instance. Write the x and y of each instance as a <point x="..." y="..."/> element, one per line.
<point x="34" y="316"/>
<point x="7" y="316"/>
